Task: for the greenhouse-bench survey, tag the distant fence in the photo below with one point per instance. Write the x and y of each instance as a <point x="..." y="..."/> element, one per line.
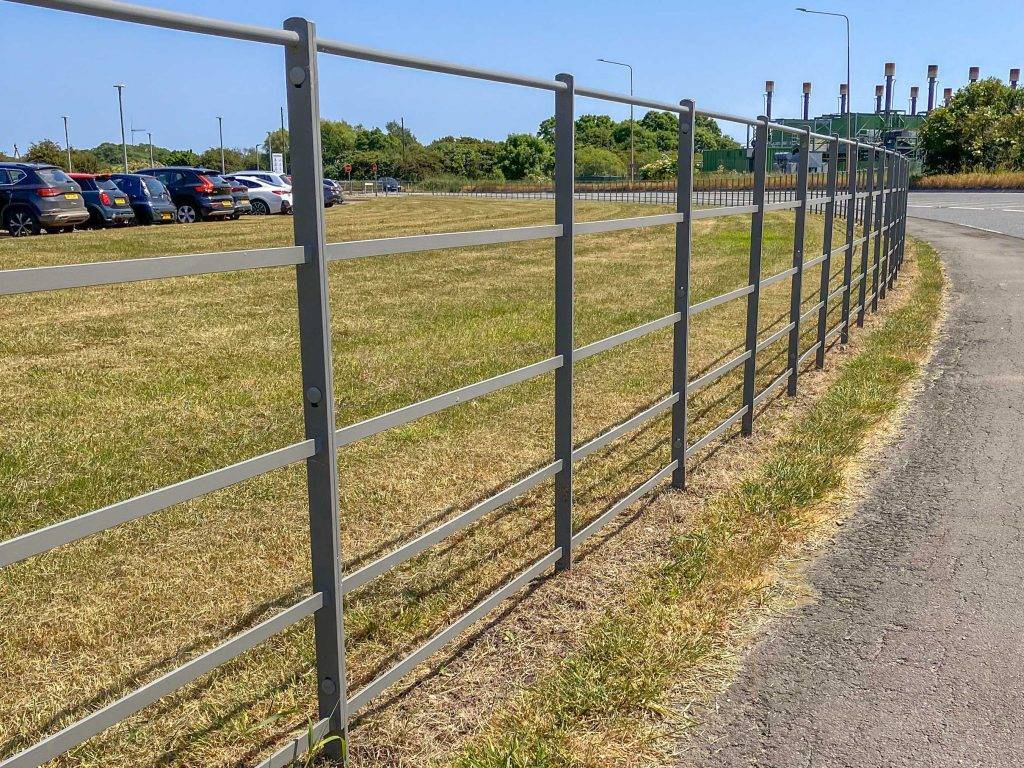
<point x="877" y="197"/>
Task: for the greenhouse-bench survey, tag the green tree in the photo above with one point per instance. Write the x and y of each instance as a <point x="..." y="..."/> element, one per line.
<point x="182" y="157"/>
<point x="523" y="156"/>
<point x="46" y="151"/>
<point x="466" y="156"/>
<point x="597" y="161"/>
<point x="979" y="130"/>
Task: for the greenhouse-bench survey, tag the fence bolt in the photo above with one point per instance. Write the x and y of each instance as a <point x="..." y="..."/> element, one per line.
<point x="328" y="686"/>
<point x="313" y="395"/>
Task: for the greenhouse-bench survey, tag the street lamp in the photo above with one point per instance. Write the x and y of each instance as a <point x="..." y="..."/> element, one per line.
<point x="632" y="158"/>
<point x="220" y="130"/>
<point x="134" y="130"/>
<point x="849" y="90"/>
<point x="120" y="107"/>
<point x="67" y="141"/>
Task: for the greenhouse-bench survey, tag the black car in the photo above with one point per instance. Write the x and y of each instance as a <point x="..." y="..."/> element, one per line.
<point x="34" y="195"/>
<point x="388" y="184"/>
<point x="239" y="193"/>
<point x="148" y="197"/>
<point x="195" y="194"/>
<point x="108" y="206"/>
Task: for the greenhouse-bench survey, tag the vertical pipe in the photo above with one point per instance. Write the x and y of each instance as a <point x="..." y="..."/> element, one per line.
<point x="1014" y="78"/>
<point x="973" y="74"/>
<point x="681" y="288"/>
<point x="564" y="200"/>
<point x="851" y="229"/>
<point x="869" y="203"/>
<point x="947" y="96"/>
<point x="754" y="270"/>
<point x="769" y="92"/>
<point x="796" y="285"/>
<point x="317" y="377"/>
<point x="844" y="95"/>
<point x="933" y="75"/>
<point x="826" y="265"/>
<point x="807" y="101"/>
<point x="890" y="74"/>
<point x="914" y="91"/>
<point x="879" y="91"/>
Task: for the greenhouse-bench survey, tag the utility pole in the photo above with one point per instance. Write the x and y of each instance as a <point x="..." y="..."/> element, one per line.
<point x="67" y="141"/>
<point x="849" y="125"/>
<point x="220" y="130"/>
<point x="149" y="135"/>
<point x="632" y="156"/>
<point x="284" y="155"/>
<point x="120" y="107"/>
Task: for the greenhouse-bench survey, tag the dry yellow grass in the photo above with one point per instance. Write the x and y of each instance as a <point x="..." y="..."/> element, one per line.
<point x="1010" y="180"/>
<point x="110" y="392"/>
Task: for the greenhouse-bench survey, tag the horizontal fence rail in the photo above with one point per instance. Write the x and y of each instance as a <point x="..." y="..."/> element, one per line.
<point x="870" y="198"/>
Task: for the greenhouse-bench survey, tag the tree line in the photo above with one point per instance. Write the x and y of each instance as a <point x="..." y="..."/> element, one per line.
<point x="602" y="149"/>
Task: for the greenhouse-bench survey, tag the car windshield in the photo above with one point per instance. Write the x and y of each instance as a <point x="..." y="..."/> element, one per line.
<point x="54" y="176"/>
<point x="154" y="186"/>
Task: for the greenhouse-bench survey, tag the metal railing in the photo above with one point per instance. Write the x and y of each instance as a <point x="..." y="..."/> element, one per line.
<point x="879" y="238"/>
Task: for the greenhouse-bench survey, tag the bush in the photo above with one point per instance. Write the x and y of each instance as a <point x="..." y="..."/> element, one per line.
<point x="595" y="161"/>
<point x="661" y="169"/>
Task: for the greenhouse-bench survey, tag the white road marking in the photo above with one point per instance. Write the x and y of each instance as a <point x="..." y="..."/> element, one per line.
<point x="968" y="208"/>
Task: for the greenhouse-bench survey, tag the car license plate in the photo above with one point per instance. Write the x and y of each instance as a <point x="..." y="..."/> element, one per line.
<point x="227" y="204"/>
<point x="71" y="195"/>
<point x="165" y="216"/>
<point x="118" y="201"/>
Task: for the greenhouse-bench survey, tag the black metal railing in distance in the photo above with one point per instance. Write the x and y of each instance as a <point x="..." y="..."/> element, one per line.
<point x="874" y="197"/>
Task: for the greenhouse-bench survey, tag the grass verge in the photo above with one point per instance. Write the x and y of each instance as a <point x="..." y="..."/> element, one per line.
<point x="995" y="180"/>
<point x="606" y="702"/>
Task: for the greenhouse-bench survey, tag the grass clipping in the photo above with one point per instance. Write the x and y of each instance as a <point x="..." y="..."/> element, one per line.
<point x="607" y="702"/>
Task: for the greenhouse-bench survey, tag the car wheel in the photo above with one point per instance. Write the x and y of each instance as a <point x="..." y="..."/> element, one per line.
<point x="187" y="214"/>
<point x="21" y="222"/>
<point x="260" y="208"/>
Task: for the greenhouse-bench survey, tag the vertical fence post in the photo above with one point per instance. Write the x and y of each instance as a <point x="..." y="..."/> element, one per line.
<point x="317" y="378"/>
<point x="826" y="265"/>
<point x="564" y="203"/>
<point x="890" y="200"/>
<point x="796" y="285"/>
<point x="862" y="290"/>
<point x="754" y="271"/>
<point x="901" y="218"/>
<point x="851" y="230"/>
<point x="878" y="230"/>
<point x="681" y="288"/>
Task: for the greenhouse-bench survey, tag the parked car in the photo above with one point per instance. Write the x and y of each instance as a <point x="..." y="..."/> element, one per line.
<point x="331" y="195"/>
<point x="35" y="195"/>
<point x="196" y="195"/>
<point x="238" y="193"/>
<point x="388" y="184"/>
<point x="148" y="197"/>
<point x="274" y="179"/>
<point x="265" y="198"/>
<point x="108" y="206"/>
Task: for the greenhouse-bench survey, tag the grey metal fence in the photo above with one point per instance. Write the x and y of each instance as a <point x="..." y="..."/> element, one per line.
<point x="877" y="230"/>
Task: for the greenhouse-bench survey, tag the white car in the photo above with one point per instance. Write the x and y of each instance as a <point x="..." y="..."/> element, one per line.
<point x="265" y="198"/>
<point x="273" y="179"/>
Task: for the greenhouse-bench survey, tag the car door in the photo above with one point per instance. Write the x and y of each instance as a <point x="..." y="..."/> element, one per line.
<point x="5" y="190"/>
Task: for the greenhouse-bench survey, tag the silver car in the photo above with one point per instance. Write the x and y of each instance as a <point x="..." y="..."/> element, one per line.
<point x="265" y="198"/>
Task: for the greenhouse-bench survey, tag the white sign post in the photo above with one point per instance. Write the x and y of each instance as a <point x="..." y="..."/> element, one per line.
<point x="277" y="163"/>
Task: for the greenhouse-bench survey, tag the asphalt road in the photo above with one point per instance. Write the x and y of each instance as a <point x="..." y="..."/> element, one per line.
<point x="913" y="652"/>
<point x="996" y="211"/>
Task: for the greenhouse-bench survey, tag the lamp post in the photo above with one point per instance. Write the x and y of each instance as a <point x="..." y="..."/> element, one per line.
<point x="632" y="156"/>
<point x="220" y="130"/>
<point x="849" y="106"/>
<point x="120" y="107"/>
<point x="67" y="141"/>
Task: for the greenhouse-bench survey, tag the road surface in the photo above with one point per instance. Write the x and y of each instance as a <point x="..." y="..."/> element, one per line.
<point x="996" y="211"/>
<point x="913" y="652"/>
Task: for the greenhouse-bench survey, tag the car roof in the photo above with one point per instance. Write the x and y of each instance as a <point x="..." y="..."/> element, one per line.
<point x="29" y="166"/>
<point x="77" y="176"/>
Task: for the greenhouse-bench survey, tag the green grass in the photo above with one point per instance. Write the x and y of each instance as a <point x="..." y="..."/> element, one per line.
<point x="601" y="705"/>
<point x="110" y="392"/>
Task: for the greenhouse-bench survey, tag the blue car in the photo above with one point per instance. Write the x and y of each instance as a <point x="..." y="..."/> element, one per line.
<point x="148" y="197"/>
<point x="107" y="205"/>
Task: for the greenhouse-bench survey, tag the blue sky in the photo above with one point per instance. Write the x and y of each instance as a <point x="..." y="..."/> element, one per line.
<point x="719" y="53"/>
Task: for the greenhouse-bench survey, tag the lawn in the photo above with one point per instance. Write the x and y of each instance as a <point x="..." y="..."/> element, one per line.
<point x="111" y="392"/>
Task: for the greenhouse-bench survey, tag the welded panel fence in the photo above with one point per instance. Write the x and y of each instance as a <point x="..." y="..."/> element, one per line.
<point x="870" y="242"/>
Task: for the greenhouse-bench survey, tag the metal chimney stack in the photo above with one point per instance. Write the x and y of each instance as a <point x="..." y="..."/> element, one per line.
<point x="844" y="96"/>
<point x="879" y="91"/>
<point x="890" y="75"/>
<point x="933" y="75"/>
<point x="1014" y="77"/>
<point x="769" y="91"/>
<point x="807" y="101"/>
<point x="974" y="74"/>
<point x="914" y="91"/>
<point x="947" y="96"/>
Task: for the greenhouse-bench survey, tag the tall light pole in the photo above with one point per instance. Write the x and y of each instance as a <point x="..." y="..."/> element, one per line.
<point x="120" y="107"/>
<point x="149" y="135"/>
<point x="67" y="142"/>
<point x="133" y="130"/>
<point x="849" y="90"/>
<point x="632" y="156"/>
<point x="220" y="130"/>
